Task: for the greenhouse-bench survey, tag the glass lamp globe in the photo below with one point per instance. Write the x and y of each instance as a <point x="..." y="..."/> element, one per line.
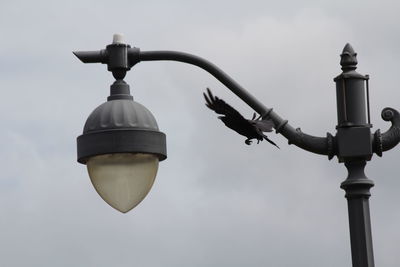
<point x="123" y="179"/>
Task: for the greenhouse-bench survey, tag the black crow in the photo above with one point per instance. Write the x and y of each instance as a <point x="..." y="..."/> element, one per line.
<point x="252" y="129"/>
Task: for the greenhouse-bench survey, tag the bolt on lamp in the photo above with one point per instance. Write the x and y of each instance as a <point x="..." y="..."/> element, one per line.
<point x="121" y="144"/>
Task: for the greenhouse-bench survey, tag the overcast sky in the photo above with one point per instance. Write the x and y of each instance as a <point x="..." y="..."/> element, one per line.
<point x="216" y="201"/>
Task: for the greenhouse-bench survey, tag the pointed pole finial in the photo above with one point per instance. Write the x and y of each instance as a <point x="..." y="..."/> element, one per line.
<point x="348" y="58"/>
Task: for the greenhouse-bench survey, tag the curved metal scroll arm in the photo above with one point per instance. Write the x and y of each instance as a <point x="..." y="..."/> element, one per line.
<point x="391" y="137"/>
<point x="120" y="58"/>
<point x="319" y="145"/>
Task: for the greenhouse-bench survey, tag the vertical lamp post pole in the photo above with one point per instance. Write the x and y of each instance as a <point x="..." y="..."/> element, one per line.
<point x="122" y="129"/>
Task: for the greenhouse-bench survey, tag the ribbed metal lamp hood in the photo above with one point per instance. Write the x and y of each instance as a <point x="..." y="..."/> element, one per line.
<point x="120" y="125"/>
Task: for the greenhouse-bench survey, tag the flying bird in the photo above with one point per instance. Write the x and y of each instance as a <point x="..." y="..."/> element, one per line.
<point x="252" y="129"/>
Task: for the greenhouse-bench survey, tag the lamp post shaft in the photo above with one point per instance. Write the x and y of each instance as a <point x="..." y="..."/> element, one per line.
<point x="360" y="232"/>
<point x="357" y="187"/>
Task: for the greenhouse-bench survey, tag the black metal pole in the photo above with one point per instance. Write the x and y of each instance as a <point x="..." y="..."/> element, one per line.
<point x="357" y="187"/>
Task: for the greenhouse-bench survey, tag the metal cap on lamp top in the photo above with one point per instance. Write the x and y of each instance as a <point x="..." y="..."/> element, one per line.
<point x="121" y="125"/>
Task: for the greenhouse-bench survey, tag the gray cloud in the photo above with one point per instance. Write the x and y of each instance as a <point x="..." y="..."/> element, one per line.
<point x="216" y="201"/>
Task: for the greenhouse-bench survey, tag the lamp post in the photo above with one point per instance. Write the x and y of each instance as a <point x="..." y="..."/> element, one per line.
<point x="121" y="144"/>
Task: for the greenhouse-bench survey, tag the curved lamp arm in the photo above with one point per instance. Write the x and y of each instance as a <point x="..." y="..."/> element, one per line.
<point x="319" y="145"/>
<point x="391" y="137"/>
<point x="121" y="57"/>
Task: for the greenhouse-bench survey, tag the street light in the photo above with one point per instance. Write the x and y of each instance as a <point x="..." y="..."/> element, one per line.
<point x="121" y="144"/>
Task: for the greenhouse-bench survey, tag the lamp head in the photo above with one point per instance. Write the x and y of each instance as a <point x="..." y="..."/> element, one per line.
<point x="121" y="143"/>
<point x="121" y="146"/>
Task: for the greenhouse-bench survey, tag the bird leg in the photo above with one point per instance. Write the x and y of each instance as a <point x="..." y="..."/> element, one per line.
<point x="254" y="117"/>
<point x="248" y="141"/>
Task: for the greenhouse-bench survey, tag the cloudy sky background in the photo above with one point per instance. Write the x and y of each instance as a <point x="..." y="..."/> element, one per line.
<point x="216" y="201"/>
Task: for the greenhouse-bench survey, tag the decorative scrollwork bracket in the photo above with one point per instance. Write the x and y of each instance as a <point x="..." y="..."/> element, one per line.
<point x="389" y="139"/>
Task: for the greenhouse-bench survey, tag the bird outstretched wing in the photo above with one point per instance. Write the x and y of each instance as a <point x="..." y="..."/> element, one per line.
<point x="220" y="107"/>
<point x="252" y="129"/>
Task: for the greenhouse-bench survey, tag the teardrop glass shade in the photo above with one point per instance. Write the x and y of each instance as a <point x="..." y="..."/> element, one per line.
<point x="123" y="179"/>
